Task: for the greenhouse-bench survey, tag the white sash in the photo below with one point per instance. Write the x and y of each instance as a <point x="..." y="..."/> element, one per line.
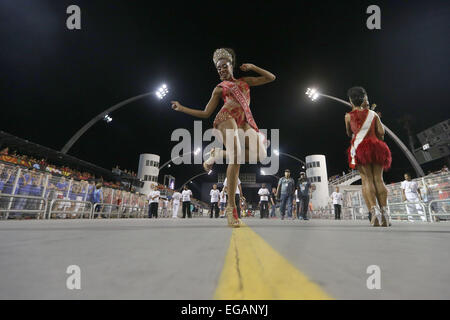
<point x="361" y="135"/>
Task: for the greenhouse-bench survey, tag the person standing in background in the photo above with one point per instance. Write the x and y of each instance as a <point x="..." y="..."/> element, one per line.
<point x="153" y="202"/>
<point x="303" y="187"/>
<point x="215" y="195"/>
<point x="297" y="203"/>
<point x="337" y="197"/>
<point x="186" y="199"/>
<point x="176" y="197"/>
<point x="97" y="197"/>
<point x="411" y="193"/>
<point x="223" y="202"/>
<point x="273" y="201"/>
<point x="264" y="194"/>
<point x="285" y="192"/>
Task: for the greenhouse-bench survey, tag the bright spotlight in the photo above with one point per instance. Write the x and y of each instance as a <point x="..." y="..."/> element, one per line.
<point x="162" y="91"/>
<point x="197" y="151"/>
<point x="107" y="118"/>
<point x="276" y="152"/>
<point x="313" y="94"/>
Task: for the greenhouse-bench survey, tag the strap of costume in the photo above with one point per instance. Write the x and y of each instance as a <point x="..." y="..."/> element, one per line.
<point x="239" y="96"/>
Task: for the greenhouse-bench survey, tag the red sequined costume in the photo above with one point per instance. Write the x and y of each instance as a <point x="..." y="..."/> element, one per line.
<point x="236" y="97"/>
<point x="371" y="149"/>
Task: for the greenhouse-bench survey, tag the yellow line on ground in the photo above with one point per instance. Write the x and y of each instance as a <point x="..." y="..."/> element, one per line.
<point x="253" y="270"/>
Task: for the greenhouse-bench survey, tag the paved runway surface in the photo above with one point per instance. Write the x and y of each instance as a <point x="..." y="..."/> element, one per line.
<point x="201" y="258"/>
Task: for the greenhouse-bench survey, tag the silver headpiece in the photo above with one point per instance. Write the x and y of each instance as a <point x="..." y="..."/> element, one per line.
<point x="222" y="54"/>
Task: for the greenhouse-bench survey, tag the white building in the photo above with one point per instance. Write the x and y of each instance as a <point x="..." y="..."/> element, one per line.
<point x="148" y="171"/>
<point x="316" y="172"/>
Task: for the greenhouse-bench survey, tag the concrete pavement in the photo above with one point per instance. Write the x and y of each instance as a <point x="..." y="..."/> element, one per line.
<point x="184" y="258"/>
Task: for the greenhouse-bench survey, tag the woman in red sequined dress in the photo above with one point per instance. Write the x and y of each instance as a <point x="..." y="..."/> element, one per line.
<point x="368" y="153"/>
<point x="234" y="115"/>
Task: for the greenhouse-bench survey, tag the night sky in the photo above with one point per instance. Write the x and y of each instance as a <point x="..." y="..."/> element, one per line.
<point x="54" y="80"/>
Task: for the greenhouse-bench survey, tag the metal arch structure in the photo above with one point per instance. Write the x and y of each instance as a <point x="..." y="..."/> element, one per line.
<point x="293" y="157"/>
<point x="99" y="117"/>
<point x="192" y="178"/>
<point x="400" y="144"/>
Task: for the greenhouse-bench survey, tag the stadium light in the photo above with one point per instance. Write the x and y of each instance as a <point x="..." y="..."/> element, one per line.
<point x="162" y="92"/>
<point x="313" y="94"/>
<point x="107" y="118"/>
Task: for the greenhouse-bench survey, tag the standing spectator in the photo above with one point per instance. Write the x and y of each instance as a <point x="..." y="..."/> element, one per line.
<point x="98" y="198"/>
<point x="215" y="195"/>
<point x="285" y="192"/>
<point x="153" y="202"/>
<point x="238" y="196"/>
<point x="303" y="188"/>
<point x="273" y="201"/>
<point x="223" y="201"/>
<point x="264" y="194"/>
<point x="186" y="199"/>
<point x="176" y="197"/>
<point x="336" y="196"/>
<point x="297" y="204"/>
<point x="411" y="193"/>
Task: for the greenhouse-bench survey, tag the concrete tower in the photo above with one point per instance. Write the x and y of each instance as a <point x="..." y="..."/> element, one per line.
<point x="316" y="172"/>
<point x="148" y="171"/>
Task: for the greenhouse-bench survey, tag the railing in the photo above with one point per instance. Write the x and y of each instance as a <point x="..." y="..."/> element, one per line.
<point x="26" y="204"/>
<point x="361" y="212"/>
<point x="65" y="206"/>
<point x="431" y="209"/>
<point x="344" y="178"/>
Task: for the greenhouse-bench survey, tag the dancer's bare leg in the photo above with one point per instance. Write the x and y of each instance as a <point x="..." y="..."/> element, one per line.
<point x="369" y="192"/>
<point x="233" y="167"/>
<point x="381" y="190"/>
<point x="381" y="193"/>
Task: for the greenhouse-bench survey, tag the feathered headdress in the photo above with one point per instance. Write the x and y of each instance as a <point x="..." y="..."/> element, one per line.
<point x="222" y="54"/>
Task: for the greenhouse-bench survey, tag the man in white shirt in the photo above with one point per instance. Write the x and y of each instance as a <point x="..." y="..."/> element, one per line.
<point x="237" y="197"/>
<point x="223" y="201"/>
<point x="215" y="195"/>
<point x="297" y="204"/>
<point x="411" y="193"/>
<point x="337" y="197"/>
<point x="186" y="199"/>
<point x="264" y="201"/>
<point x="153" y="202"/>
<point x="176" y="197"/>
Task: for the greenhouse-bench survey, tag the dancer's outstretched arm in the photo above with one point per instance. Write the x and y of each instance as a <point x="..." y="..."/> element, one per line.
<point x="209" y="109"/>
<point x="265" y="76"/>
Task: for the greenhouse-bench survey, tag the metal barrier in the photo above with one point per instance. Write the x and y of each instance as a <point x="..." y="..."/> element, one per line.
<point x="67" y="204"/>
<point x="26" y="205"/>
<point x="361" y="212"/>
<point x="431" y="209"/>
<point x="99" y="209"/>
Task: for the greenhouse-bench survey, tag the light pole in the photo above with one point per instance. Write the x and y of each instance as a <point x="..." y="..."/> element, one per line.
<point x="196" y="176"/>
<point x="277" y="152"/>
<point x="314" y="94"/>
<point x="160" y="93"/>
